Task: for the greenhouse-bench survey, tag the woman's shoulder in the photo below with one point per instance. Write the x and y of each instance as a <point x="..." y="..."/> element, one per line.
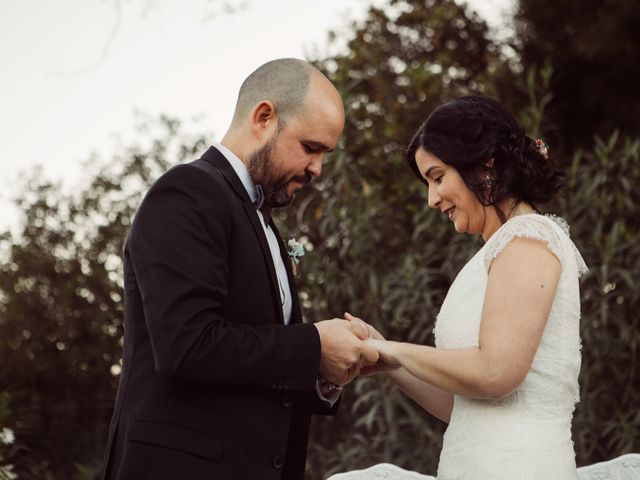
<point x="552" y="230"/>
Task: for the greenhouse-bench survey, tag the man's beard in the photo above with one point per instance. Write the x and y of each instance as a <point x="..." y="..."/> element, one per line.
<point x="262" y="168"/>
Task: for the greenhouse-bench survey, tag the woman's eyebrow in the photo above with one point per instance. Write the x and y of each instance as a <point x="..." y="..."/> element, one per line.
<point x="429" y="170"/>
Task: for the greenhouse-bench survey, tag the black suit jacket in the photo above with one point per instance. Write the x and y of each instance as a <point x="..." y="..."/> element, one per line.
<point x="213" y="384"/>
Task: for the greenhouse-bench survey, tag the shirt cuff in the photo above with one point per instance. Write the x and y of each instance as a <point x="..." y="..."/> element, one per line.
<point x="331" y="398"/>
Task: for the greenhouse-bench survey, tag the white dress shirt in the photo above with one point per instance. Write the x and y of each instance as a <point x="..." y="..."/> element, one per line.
<point x="281" y="272"/>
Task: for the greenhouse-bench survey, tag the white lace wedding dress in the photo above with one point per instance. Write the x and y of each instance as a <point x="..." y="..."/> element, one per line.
<point x="527" y="435"/>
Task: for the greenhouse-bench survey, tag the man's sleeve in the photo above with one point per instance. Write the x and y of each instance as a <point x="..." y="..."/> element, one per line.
<point x="178" y="246"/>
<point x="326" y="404"/>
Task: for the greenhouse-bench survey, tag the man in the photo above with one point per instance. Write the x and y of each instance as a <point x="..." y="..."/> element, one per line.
<point x="220" y="376"/>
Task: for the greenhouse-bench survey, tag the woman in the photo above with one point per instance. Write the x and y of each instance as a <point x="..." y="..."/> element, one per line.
<point x="504" y="372"/>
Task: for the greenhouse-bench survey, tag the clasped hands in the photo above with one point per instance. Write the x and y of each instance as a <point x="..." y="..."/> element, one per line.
<point x="352" y="347"/>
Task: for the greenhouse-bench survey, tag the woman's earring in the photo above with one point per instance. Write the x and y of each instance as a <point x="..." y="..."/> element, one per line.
<point x="488" y="181"/>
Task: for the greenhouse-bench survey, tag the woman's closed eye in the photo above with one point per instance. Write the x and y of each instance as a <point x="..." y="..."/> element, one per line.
<point x="438" y="180"/>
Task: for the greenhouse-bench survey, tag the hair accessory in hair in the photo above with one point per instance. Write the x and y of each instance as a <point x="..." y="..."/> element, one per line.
<point x="542" y="148"/>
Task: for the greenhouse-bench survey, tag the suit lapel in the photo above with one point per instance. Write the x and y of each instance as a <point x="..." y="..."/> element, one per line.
<point x="219" y="161"/>
<point x="251" y="212"/>
<point x="296" y="313"/>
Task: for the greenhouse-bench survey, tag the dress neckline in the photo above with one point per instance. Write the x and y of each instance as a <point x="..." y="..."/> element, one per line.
<point x="556" y="219"/>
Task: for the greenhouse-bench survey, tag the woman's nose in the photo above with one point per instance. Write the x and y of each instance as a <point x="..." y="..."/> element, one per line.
<point x="433" y="198"/>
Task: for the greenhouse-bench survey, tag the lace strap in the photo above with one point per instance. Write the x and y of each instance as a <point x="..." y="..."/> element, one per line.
<point x="564" y="226"/>
<point x="533" y="227"/>
<point x="582" y="266"/>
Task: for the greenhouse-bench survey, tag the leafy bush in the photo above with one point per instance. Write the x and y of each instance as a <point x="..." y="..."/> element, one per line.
<point x="603" y="208"/>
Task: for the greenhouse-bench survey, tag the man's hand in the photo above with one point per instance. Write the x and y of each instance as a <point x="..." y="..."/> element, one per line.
<point x="343" y="350"/>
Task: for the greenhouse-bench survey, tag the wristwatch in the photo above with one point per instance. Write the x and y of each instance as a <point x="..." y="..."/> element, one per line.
<point x="327" y="386"/>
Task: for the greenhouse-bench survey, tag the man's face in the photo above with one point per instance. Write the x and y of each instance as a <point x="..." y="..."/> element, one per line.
<point x="293" y="155"/>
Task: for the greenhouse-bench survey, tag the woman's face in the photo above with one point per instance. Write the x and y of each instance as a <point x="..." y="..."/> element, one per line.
<point x="449" y="193"/>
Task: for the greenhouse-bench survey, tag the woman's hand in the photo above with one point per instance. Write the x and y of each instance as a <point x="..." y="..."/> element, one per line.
<point x="380" y="366"/>
<point x="362" y="326"/>
<point x="387" y="350"/>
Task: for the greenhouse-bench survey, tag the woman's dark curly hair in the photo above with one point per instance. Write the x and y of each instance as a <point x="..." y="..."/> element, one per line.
<point x="466" y="133"/>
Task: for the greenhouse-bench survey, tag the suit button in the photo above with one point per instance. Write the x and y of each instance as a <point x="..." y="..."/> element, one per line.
<point x="277" y="462"/>
<point x="287" y="401"/>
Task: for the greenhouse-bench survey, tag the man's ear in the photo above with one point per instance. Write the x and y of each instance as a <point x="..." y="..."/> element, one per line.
<point x="263" y="118"/>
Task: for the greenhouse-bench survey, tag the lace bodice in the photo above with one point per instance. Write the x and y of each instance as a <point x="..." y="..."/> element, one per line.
<point x="526" y="435"/>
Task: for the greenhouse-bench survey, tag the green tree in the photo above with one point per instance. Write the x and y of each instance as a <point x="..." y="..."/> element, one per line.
<point x="61" y="304"/>
<point x="594" y="50"/>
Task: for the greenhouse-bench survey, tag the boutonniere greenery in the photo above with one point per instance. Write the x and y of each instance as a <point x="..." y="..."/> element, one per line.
<point x="296" y="252"/>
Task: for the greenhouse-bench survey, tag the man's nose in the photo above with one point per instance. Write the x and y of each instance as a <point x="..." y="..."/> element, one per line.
<point x="434" y="198"/>
<point x="315" y="166"/>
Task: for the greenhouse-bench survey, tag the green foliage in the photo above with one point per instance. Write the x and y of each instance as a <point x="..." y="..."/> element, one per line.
<point x="602" y="207"/>
<point x="537" y="88"/>
<point x="61" y="303"/>
<point x="594" y="50"/>
<point x="84" y="472"/>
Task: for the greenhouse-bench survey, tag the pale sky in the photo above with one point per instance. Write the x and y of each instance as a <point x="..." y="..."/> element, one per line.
<point x="66" y="90"/>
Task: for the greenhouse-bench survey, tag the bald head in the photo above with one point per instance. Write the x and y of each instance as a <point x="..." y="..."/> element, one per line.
<point x="285" y="82"/>
<point x="288" y="116"/>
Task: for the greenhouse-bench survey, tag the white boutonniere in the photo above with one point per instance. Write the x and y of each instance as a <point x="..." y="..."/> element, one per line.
<point x="296" y="252"/>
